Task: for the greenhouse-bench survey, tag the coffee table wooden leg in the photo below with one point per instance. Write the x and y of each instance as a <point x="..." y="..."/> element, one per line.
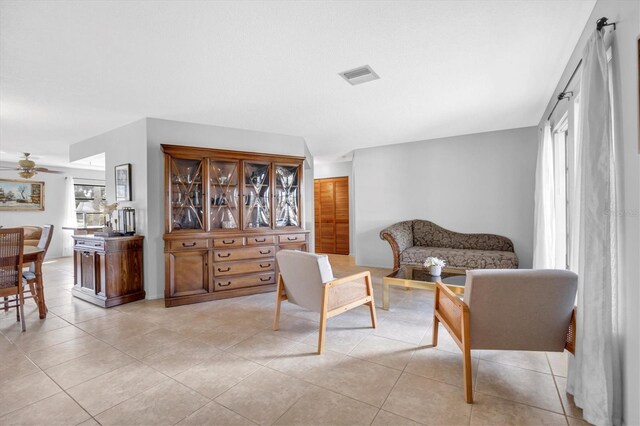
<point x="385" y="295"/>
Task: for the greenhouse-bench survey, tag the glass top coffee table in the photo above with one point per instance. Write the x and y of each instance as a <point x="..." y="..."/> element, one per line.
<point x="415" y="276"/>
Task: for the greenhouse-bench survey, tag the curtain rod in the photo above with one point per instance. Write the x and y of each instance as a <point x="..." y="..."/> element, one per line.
<point x="82" y="178"/>
<point x="563" y="95"/>
<point x="600" y="23"/>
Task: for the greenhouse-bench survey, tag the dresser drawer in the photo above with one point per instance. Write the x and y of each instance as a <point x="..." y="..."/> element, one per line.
<point x="247" y="281"/>
<point x="189" y="244"/>
<point x="222" y="255"/>
<point x="291" y="238"/>
<point x="263" y="239"/>
<point x="89" y="245"/>
<point x="235" y="268"/>
<point x="228" y="242"/>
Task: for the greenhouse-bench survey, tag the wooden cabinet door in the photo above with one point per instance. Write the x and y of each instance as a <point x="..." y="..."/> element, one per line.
<point x="341" y="197"/>
<point x="331" y="203"/>
<point x="86" y="270"/>
<point x="187" y="272"/>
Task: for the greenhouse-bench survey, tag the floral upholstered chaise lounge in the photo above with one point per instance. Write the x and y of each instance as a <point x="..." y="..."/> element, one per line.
<point x="412" y="241"/>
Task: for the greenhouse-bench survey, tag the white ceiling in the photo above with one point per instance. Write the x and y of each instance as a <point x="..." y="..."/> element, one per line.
<point x="73" y="69"/>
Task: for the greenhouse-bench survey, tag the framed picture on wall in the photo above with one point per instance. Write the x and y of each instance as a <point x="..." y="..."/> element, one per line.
<point x="21" y="195"/>
<point x="123" y="182"/>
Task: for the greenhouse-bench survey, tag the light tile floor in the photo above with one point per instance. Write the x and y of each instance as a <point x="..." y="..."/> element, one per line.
<point x="220" y="363"/>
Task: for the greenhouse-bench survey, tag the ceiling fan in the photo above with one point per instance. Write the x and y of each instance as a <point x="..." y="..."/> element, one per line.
<point x="27" y="167"/>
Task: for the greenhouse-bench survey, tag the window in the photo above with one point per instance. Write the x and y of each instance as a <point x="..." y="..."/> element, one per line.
<point x="90" y="205"/>
<point x="561" y="201"/>
<point x="565" y="126"/>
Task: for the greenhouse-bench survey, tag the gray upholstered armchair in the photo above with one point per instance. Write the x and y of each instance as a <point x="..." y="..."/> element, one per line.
<point x="524" y="310"/>
<point x="412" y="241"/>
<point x="306" y="280"/>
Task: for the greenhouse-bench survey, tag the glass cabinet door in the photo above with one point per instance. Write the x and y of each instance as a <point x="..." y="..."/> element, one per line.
<point x="287" y="195"/>
<point x="256" y="195"/>
<point x="186" y="194"/>
<point x="224" y="194"/>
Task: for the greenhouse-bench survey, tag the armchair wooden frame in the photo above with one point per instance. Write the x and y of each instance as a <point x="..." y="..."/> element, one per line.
<point x="453" y="313"/>
<point x="325" y="313"/>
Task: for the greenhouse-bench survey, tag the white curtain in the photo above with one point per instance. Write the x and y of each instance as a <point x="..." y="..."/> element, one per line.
<point x="544" y="226"/>
<point x="69" y="217"/>
<point x="594" y="373"/>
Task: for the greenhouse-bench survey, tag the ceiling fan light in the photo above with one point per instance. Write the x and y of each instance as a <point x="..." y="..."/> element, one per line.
<point x="26" y="174"/>
<point x="26" y="164"/>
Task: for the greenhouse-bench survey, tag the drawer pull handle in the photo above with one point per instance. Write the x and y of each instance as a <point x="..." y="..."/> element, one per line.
<point x="292" y="238"/>
<point x="228" y="255"/>
<point x="86" y="253"/>
<point x="265" y="266"/>
<point x="260" y="240"/>
<point x="224" y="270"/>
<point x="225" y="285"/>
<point x="193" y="244"/>
<point x="265" y="279"/>
<point x="228" y="242"/>
<point x="265" y="252"/>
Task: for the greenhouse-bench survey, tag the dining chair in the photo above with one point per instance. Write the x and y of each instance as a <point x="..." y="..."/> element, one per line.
<point x="508" y="309"/>
<point x="32" y="235"/>
<point x="11" y="249"/>
<point x="306" y="280"/>
<point x="30" y="275"/>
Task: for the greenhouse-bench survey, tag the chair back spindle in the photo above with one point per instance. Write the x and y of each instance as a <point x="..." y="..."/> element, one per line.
<point x="11" y="249"/>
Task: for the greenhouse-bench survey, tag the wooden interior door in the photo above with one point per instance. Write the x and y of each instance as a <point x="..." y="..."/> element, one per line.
<point x="331" y="204"/>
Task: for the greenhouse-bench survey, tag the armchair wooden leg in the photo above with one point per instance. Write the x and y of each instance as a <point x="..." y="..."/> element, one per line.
<point x="323" y="319"/>
<point x="468" y="383"/>
<point x="372" y="305"/>
<point x="466" y="358"/>
<point x="279" y="294"/>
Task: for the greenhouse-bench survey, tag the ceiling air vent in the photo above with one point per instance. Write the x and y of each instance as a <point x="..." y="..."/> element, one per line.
<point x="359" y="75"/>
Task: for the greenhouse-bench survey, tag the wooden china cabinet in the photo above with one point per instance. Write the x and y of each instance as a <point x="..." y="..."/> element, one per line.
<point x="227" y="213"/>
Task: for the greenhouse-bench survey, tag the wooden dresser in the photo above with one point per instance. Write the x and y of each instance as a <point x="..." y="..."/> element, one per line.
<point x="108" y="270"/>
<point x="227" y="213"/>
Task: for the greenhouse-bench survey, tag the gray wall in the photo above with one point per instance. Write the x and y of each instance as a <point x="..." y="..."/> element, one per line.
<point x="54" y="203"/>
<point x="626" y="14"/>
<point x="474" y="183"/>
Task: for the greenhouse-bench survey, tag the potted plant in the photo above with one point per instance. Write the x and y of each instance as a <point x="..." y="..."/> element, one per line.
<point x="435" y="265"/>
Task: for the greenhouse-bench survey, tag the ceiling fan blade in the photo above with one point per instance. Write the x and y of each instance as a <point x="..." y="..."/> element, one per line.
<point x="45" y="170"/>
<point x="9" y="168"/>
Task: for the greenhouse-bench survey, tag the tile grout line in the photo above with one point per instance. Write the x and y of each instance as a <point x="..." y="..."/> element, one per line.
<point x="555" y="383"/>
<point x="50" y="378"/>
<point x="226" y="350"/>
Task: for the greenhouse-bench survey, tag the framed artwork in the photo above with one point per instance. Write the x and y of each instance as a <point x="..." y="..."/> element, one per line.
<point x="123" y="182"/>
<point x="21" y="195"/>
